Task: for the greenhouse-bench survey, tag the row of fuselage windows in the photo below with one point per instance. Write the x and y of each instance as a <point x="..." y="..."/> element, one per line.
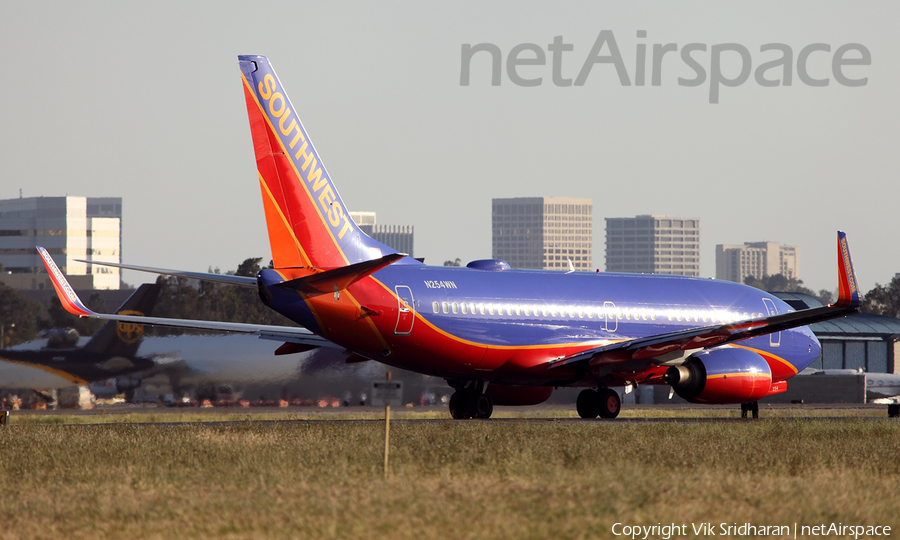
<point x="608" y="312"/>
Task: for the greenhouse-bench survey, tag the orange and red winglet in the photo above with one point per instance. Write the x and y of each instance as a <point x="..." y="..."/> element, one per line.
<point x="848" y="292"/>
<point x="67" y="296"/>
<point x="698" y="338"/>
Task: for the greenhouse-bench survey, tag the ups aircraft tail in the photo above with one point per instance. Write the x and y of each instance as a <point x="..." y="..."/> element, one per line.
<point x="120" y="338"/>
<point x="308" y="223"/>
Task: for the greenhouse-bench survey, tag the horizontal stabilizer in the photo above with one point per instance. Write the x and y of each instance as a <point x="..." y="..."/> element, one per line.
<point x="241" y="281"/>
<point x="338" y="279"/>
<point x="73" y="304"/>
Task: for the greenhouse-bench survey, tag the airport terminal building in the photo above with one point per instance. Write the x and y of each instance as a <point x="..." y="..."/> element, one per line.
<point x="399" y="237"/>
<point x="70" y="228"/>
<point x="862" y="340"/>
<point x="757" y="259"/>
<point x="543" y="233"/>
<point x="651" y="244"/>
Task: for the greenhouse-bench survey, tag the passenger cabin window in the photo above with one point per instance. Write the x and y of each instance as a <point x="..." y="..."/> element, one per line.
<point x="445" y="306"/>
<point x="436" y="307"/>
<point x="455" y="308"/>
<point x="464" y="307"/>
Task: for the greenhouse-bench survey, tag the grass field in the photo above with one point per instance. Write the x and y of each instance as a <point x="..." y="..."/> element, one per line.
<point x="448" y="479"/>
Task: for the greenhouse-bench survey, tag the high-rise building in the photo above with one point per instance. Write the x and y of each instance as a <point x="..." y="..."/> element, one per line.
<point x="70" y="228"/>
<point x="757" y="259"/>
<point x="399" y="237"/>
<point x="543" y="232"/>
<point x="653" y="245"/>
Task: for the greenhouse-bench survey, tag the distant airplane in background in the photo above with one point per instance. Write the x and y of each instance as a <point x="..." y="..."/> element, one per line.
<point x="59" y="361"/>
<point x="120" y="357"/>
<point x="881" y="388"/>
<point x="497" y="335"/>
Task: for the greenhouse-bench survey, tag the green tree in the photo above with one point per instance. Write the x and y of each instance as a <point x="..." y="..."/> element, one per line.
<point x="883" y="299"/>
<point x="206" y="300"/>
<point x="58" y="317"/>
<point x="456" y="262"/>
<point x="18" y="317"/>
<point x="780" y="283"/>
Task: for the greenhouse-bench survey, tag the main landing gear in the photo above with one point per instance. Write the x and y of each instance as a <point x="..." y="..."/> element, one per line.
<point x="470" y="401"/>
<point x="602" y="402"/>
<point x="752" y="407"/>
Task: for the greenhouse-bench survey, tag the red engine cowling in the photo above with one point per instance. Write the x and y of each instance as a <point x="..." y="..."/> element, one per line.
<point x="518" y="395"/>
<point x="721" y="375"/>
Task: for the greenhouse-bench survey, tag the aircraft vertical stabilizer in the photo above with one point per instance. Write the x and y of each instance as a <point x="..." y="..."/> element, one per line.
<point x="122" y="338"/>
<point x="308" y="223"/>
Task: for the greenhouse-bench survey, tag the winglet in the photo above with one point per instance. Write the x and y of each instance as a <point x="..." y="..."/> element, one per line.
<point x="67" y="296"/>
<point x="848" y="290"/>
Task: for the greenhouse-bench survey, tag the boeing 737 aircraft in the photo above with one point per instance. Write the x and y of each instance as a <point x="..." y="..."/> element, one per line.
<point x="496" y="334"/>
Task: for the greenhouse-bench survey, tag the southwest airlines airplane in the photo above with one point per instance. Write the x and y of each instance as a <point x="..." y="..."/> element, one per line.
<point x="497" y="335"/>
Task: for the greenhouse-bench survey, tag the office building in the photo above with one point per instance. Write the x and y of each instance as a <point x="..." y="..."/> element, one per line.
<point x="543" y="232"/>
<point x="651" y="244"/>
<point x="399" y="237"/>
<point x="757" y="259"/>
<point x="70" y="228"/>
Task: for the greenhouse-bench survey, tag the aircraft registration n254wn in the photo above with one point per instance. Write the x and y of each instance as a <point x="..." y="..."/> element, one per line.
<point x="500" y="335"/>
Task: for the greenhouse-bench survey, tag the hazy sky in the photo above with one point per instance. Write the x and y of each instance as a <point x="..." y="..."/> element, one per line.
<point x="144" y="101"/>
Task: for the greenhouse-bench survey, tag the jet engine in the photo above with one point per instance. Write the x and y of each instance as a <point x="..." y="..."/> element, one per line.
<point x="721" y="375"/>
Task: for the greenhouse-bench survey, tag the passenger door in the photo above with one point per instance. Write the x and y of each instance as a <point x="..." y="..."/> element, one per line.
<point x="775" y="337"/>
<point x="406" y="311"/>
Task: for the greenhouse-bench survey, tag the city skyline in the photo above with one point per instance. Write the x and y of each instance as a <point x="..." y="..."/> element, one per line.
<point x="145" y="102"/>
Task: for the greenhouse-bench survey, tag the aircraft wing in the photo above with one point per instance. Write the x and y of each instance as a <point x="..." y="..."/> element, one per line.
<point x="73" y="304"/>
<point x="708" y="336"/>
<point x="241" y="281"/>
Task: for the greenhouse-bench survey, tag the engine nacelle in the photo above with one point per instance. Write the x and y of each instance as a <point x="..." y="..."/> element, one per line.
<point x="518" y="395"/>
<point x="721" y="375"/>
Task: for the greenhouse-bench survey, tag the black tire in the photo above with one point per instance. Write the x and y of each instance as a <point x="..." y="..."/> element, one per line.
<point x="588" y="404"/>
<point x="609" y="404"/>
<point x="754" y="408"/>
<point x="484" y="406"/>
<point x="459" y="406"/>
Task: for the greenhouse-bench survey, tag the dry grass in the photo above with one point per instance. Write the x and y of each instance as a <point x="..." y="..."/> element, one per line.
<point x="448" y="479"/>
<point x="152" y="415"/>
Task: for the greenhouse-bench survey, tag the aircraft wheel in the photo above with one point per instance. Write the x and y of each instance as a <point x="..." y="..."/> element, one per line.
<point x="745" y="407"/>
<point x="483" y="406"/>
<point x="459" y="406"/>
<point x="588" y="404"/>
<point x="754" y="408"/>
<point x="609" y="404"/>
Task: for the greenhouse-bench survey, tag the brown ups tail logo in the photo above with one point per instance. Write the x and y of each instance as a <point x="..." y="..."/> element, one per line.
<point x="130" y="332"/>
